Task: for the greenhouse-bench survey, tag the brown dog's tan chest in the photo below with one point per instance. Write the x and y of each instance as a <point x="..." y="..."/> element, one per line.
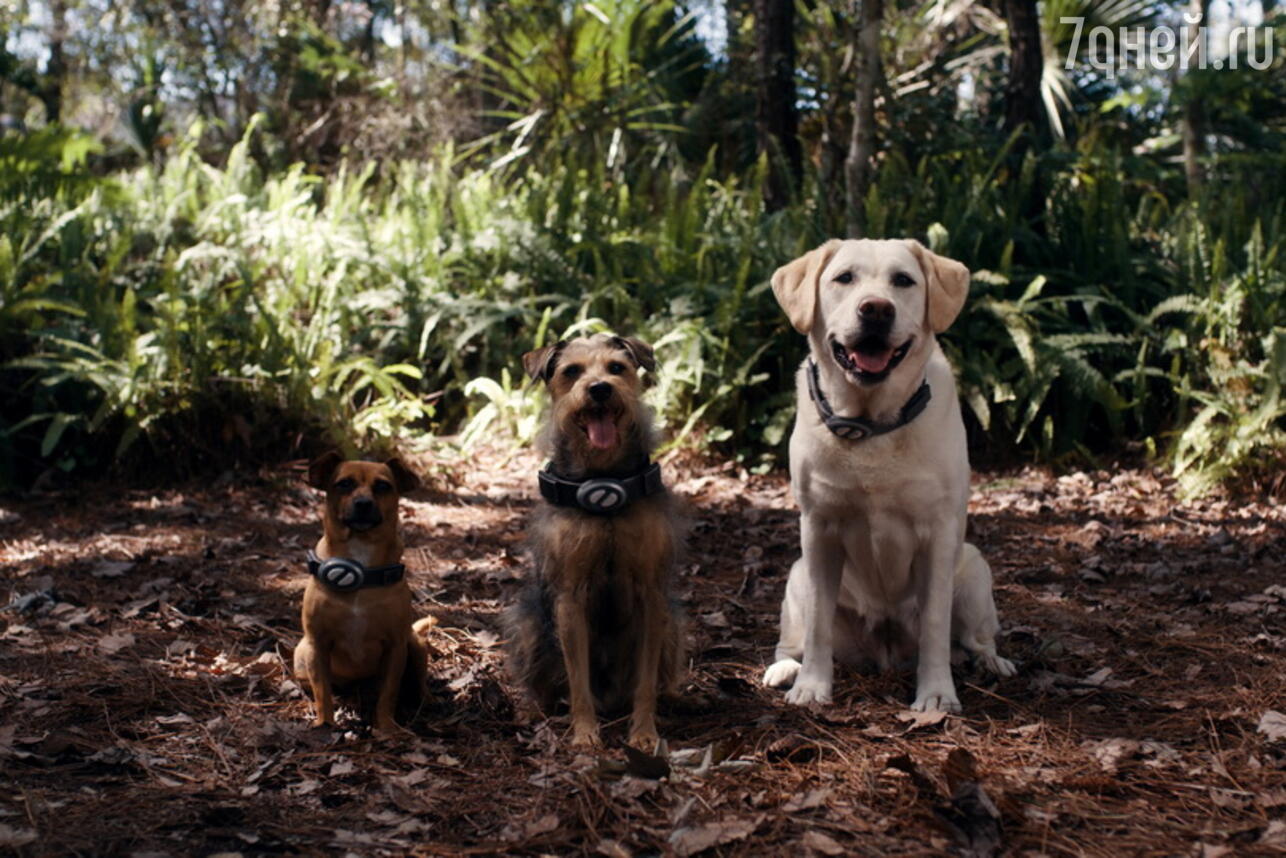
<point x="357" y="628"/>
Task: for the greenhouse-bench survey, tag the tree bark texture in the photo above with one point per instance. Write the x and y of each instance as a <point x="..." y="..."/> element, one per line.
<point x="1192" y="127"/>
<point x="776" y="117"/>
<point x="51" y="90"/>
<point x="1022" y="92"/>
<point x="858" y="165"/>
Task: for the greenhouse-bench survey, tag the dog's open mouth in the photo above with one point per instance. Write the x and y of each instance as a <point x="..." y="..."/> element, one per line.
<point x="871" y="358"/>
<point x="599" y="425"/>
<point x="362" y="524"/>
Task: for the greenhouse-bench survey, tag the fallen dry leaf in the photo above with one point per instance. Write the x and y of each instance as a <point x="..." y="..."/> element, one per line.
<point x="1214" y="850"/>
<point x="111" y="568"/>
<point x="114" y="643"/>
<point x="1270" y="799"/>
<point x="12" y="838"/>
<point x="930" y="718"/>
<point x="807" y="800"/>
<point x="1110" y="753"/>
<point x="1097" y="678"/>
<point x="644" y="765"/>
<point x="1274" y="834"/>
<point x="544" y="825"/>
<point x="819" y="842"/>
<point x="959" y="768"/>
<point x="612" y="848"/>
<point x="691" y="841"/>
<point x="1273" y="725"/>
<point x="715" y="620"/>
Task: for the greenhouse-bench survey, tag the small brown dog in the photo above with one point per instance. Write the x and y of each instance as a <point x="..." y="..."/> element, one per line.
<point x="357" y="605"/>
<point x="596" y="623"/>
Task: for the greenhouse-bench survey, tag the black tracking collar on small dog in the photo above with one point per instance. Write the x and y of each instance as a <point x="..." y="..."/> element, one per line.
<point x="600" y="495"/>
<point x="345" y="575"/>
<point x="859" y="428"/>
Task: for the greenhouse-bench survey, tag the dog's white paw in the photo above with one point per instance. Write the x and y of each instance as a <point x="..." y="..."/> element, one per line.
<point x="997" y="665"/>
<point x="806" y="691"/>
<point x="781" y="673"/>
<point x="936" y="699"/>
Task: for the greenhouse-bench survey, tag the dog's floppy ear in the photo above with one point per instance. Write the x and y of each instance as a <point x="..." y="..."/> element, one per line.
<point x="321" y="469"/>
<point x="795" y="284"/>
<point x="947" y="283"/>
<point x="405" y="478"/>
<point x="640" y="351"/>
<point x="541" y="363"/>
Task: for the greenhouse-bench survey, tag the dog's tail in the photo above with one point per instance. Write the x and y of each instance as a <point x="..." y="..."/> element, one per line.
<point x="422" y="627"/>
<point x="411" y="696"/>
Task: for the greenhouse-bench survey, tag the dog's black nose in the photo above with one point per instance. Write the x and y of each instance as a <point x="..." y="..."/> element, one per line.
<point x="876" y="310"/>
<point x="363" y="506"/>
<point x="599" y="391"/>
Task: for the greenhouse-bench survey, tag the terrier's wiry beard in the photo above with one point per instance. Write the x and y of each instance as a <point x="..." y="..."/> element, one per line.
<point x="597" y="424"/>
<point x="569" y="449"/>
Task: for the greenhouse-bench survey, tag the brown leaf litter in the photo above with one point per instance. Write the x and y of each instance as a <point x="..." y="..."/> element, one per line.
<point x="147" y="708"/>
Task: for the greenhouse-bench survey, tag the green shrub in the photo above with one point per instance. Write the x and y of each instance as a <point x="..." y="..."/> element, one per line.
<point x="197" y="308"/>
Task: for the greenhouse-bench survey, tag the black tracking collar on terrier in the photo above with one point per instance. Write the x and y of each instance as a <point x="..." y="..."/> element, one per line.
<point x="859" y="428"/>
<point x="600" y="495"/>
<point x="345" y="575"/>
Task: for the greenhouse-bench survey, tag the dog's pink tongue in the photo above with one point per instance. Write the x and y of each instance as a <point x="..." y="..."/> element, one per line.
<point x="602" y="432"/>
<point x="871" y="362"/>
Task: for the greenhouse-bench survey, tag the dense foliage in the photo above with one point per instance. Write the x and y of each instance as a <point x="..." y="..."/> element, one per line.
<point x="204" y="301"/>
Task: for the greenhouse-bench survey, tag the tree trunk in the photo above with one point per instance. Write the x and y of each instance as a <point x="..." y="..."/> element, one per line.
<point x="1193" y="124"/>
<point x="776" y="119"/>
<point x="319" y="11"/>
<point x="51" y="90"/>
<point x="1022" y="92"/>
<point x="861" y="147"/>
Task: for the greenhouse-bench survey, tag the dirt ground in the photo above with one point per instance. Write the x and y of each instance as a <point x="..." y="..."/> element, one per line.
<point x="146" y="704"/>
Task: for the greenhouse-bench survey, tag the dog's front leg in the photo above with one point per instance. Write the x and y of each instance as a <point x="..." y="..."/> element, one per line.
<point x="392" y="664"/>
<point x="824" y="561"/>
<point x="643" y="719"/>
<point x="573" y="634"/>
<point x="935" y="572"/>
<point x="316" y="662"/>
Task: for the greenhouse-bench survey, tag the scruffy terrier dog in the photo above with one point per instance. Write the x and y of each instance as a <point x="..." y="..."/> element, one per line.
<point x="595" y="623"/>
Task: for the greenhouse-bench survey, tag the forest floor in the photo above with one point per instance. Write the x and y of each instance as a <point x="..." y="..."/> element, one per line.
<point x="147" y="707"/>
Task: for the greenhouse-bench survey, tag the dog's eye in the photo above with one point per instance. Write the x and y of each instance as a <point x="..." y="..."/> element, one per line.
<point x="845" y="277"/>
<point x="902" y="280"/>
<point x="346" y="485"/>
<point x="616" y="367"/>
<point x="572" y="372"/>
<point x="382" y="487"/>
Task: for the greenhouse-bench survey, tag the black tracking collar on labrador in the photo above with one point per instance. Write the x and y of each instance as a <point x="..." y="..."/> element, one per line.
<point x="600" y="495"/>
<point x="859" y="428"/>
<point x="345" y="575"/>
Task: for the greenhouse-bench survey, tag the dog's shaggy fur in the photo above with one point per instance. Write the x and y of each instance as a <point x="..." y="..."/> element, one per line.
<point x="596" y="624"/>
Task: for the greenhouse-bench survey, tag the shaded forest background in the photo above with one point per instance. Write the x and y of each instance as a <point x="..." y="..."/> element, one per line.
<point x="230" y="230"/>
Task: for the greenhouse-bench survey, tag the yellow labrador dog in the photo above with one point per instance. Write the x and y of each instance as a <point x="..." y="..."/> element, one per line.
<point x="881" y="474"/>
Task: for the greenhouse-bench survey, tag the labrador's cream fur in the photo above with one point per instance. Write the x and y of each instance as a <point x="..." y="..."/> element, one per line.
<point x="885" y="572"/>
